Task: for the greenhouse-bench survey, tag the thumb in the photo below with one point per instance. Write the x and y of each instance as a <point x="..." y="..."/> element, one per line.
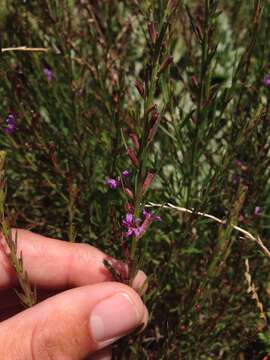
<point x="73" y="324"/>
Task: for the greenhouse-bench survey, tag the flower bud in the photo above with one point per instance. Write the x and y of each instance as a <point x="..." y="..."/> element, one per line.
<point x="154" y="115"/>
<point x="129" y="208"/>
<point x="125" y="174"/>
<point x="139" y="86"/>
<point x="135" y="141"/>
<point x="153" y="123"/>
<point x="152" y="107"/>
<point x="165" y="64"/>
<point x="129" y="193"/>
<point x="147" y="182"/>
<point x="143" y="228"/>
<point x="195" y="81"/>
<point x="133" y="158"/>
<point x="199" y="32"/>
<point x="152" y="32"/>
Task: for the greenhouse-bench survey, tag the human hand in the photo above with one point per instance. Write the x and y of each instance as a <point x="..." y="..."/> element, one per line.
<point x="82" y="311"/>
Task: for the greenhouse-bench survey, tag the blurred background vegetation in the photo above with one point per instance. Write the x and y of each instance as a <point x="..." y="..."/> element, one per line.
<point x="74" y="104"/>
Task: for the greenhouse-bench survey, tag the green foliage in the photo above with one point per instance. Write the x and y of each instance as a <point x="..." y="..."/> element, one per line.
<point x="210" y="152"/>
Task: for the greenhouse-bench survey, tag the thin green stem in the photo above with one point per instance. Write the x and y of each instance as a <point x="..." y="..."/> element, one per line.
<point x="204" y="86"/>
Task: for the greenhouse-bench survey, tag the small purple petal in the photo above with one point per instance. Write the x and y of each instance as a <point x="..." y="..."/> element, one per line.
<point x="128" y="221"/>
<point x="112" y="183"/>
<point x="257" y="210"/>
<point x="125" y="173"/>
<point x="241" y="217"/>
<point x="48" y="73"/>
<point x="130" y="232"/>
<point x="138" y="231"/>
<point x="146" y="213"/>
<point x="138" y="221"/>
<point x="9" y="130"/>
<point x="10" y="120"/>
<point x="266" y="80"/>
<point x="11" y="124"/>
<point x="129" y="218"/>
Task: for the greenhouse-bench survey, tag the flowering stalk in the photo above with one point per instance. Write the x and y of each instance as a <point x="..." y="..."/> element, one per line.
<point x="137" y="220"/>
<point x="158" y="63"/>
<point x="28" y="295"/>
<point x="204" y="31"/>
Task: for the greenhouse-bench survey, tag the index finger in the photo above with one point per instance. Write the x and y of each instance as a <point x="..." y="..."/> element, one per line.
<point x="52" y="263"/>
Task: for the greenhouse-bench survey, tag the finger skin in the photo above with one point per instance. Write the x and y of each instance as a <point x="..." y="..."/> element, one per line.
<point x="58" y="328"/>
<point x="52" y="263"/>
<point x="57" y="264"/>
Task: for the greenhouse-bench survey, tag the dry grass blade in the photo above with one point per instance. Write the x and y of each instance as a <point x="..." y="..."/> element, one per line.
<point x="246" y="234"/>
<point x="24" y="48"/>
<point x="253" y="291"/>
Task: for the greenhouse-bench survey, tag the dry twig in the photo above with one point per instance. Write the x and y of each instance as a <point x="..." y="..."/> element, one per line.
<point x="24" y="48"/>
<point x="246" y="234"/>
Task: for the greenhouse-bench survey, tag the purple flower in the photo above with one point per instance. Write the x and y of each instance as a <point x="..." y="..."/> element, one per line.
<point x="266" y="81"/>
<point x="125" y="174"/>
<point x="48" y="73"/>
<point x="137" y="227"/>
<point x="148" y="214"/>
<point x="130" y="231"/>
<point x="128" y="221"/>
<point x="138" y="231"/>
<point x="257" y="211"/>
<point x="112" y="183"/>
<point x="11" y="125"/>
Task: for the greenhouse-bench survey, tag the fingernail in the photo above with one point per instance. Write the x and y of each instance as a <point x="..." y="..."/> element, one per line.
<point x="113" y="317"/>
